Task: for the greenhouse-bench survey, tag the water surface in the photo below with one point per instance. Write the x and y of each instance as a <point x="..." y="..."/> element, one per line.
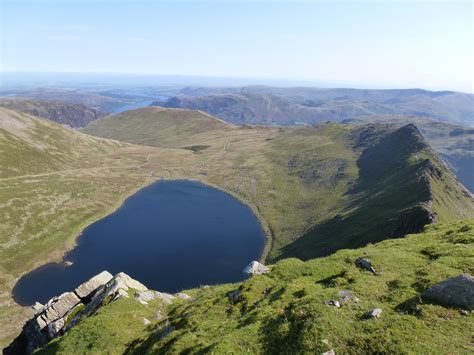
<point x="171" y="235"/>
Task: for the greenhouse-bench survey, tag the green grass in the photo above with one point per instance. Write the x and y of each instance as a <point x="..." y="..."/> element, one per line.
<point x="284" y="311"/>
<point x="57" y="181"/>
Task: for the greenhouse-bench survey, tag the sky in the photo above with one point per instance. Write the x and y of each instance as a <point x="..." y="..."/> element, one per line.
<point x="383" y="44"/>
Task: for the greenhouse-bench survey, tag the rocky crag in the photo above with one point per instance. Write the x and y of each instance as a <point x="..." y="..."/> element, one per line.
<point x="63" y="312"/>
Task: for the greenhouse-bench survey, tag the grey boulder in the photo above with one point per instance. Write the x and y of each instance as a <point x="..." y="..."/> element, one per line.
<point x="456" y="292"/>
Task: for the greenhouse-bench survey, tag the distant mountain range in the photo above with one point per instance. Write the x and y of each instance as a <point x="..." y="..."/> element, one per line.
<point x="272" y="105"/>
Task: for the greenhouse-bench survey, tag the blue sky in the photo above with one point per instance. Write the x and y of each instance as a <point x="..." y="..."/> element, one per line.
<point x="426" y="44"/>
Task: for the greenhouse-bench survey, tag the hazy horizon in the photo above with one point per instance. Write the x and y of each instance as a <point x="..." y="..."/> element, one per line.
<point x="367" y="44"/>
<point x="61" y="79"/>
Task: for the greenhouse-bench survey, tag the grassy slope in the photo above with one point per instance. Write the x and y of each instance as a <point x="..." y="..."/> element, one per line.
<point x="157" y="126"/>
<point x="53" y="183"/>
<point x="294" y="179"/>
<point x="284" y="311"/>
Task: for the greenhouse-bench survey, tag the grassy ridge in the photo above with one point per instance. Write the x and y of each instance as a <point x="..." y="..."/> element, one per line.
<point x="285" y="311"/>
<point x="451" y="142"/>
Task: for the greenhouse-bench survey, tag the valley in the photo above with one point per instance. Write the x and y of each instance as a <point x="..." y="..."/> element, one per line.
<point x="309" y="186"/>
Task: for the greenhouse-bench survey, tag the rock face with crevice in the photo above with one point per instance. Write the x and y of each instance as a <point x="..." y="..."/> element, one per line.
<point x="61" y="313"/>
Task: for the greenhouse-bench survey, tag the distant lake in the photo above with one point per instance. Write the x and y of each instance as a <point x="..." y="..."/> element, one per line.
<point x="170" y="236"/>
<point x="133" y="106"/>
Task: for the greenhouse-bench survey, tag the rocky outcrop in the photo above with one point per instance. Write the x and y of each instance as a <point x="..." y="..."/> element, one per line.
<point x="454" y="292"/>
<point x="256" y="268"/>
<point x="61" y="313"/>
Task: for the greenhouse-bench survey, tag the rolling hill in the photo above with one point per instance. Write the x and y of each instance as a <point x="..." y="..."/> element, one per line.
<point x="73" y="115"/>
<point x="157" y="126"/>
<point x="315" y="189"/>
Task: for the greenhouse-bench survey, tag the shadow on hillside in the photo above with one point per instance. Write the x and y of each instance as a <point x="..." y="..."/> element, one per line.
<point x="386" y="201"/>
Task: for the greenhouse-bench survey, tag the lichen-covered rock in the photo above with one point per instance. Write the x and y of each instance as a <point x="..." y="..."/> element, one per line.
<point x="256" y="268"/>
<point x="89" y="287"/>
<point x="454" y="292"/>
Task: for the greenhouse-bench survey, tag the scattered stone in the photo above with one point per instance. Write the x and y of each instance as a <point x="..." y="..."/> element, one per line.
<point x="333" y="303"/>
<point x="256" y="268"/>
<point x="146" y="321"/>
<point x="149" y="295"/>
<point x="68" y="263"/>
<point x="374" y="313"/>
<point x="464" y="312"/>
<point x="183" y="296"/>
<point x="456" y="292"/>
<point x="347" y="296"/>
<point x="37" y="306"/>
<point x="234" y="296"/>
<point x="89" y="287"/>
<point x="365" y="263"/>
